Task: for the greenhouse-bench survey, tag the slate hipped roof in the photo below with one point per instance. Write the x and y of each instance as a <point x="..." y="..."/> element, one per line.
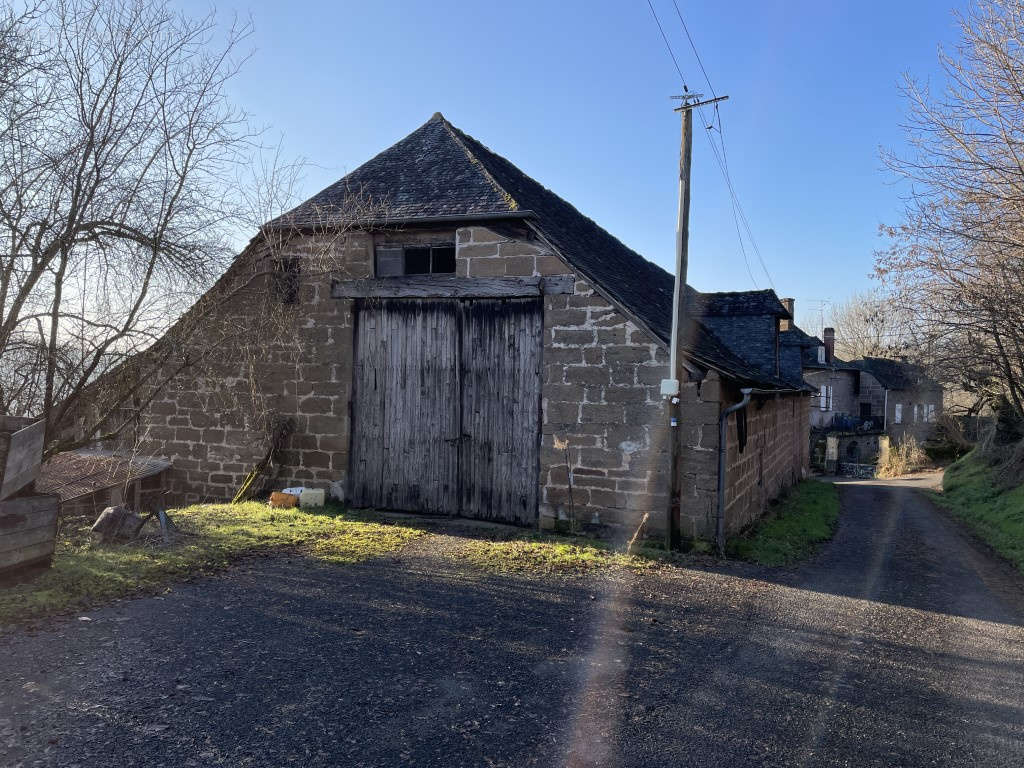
<point x="738" y="303"/>
<point x="439" y="172"/>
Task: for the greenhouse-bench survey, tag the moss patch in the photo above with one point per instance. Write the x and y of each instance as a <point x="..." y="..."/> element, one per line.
<point x="797" y="526"/>
<point x="996" y="515"/>
<point x="211" y="536"/>
<point x="541" y="553"/>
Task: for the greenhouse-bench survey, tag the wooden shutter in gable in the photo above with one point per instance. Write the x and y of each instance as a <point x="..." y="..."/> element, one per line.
<point x="390" y="262"/>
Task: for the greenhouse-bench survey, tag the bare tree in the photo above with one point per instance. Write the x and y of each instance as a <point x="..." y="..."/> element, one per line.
<point x="870" y="324"/>
<point x="125" y="176"/>
<point x="957" y="261"/>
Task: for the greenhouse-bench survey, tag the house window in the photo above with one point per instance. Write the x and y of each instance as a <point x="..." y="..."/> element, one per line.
<point x="396" y="260"/>
<point x="865" y="411"/>
<point x="897" y="413"/>
<point x="917" y="412"/>
<point x="825" y="397"/>
<point x="929" y="412"/>
<point x="821" y="355"/>
<point x="285" y="279"/>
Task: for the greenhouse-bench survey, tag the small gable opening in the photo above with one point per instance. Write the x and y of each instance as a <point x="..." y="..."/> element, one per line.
<point x="397" y="260"/>
<point x="285" y="280"/>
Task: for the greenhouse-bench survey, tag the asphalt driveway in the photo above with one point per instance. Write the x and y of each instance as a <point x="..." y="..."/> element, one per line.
<point x="900" y="645"/>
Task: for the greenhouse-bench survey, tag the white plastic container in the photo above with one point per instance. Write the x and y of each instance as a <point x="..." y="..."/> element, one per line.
<point x="311" y="497"/>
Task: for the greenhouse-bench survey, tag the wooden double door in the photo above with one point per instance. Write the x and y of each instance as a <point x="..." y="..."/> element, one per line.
<point x="446" y="406"/>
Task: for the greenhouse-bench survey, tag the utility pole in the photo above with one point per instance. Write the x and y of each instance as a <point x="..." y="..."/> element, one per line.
<point x="670" y="386"/>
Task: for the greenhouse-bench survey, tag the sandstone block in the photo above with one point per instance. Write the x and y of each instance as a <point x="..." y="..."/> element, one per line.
<point x="574" y="336"/>
<point x="601" y="413"/>
<point x="565" y="317"/>
<point x="478" y="251"/>
<point x="519" y="266"/>
<point x="561" y="413"/>
<point x="550" y="265"/>
<point x="586" y="375"/>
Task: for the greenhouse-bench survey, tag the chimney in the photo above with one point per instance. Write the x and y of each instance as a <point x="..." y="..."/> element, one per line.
<point x="829" y="337"/>
<point x="787" y="325"/>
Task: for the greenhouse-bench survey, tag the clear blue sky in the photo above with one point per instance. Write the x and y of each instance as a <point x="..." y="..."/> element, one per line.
<point x="577" y="95"/>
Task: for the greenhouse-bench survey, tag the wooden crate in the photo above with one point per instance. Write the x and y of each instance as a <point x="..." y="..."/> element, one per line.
<point x="21" y="453"/>
<point x="28" y="531"/>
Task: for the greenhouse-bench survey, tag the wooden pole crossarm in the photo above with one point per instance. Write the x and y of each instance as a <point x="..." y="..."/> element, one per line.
<point x="691" y="104"/>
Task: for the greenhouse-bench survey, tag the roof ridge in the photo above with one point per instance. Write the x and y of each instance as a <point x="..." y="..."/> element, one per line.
<point x="735" y="293"/>
<point x="454" y="132"/>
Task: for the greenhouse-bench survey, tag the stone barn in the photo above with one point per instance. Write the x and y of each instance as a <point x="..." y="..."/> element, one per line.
<point x="476" y="343"/>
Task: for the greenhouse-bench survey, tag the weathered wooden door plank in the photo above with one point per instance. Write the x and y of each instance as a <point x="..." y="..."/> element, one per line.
<point x="501" y="401"/>
<point x="405" y="405"/>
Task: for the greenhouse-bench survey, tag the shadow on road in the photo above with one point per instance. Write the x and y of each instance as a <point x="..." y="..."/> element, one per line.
<point x="893" y="647"/>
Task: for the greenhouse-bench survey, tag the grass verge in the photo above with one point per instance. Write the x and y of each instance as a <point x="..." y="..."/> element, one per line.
<point x="995" y="514"/>
<point x="211" y="536"/>
<point x="796" y="527"/>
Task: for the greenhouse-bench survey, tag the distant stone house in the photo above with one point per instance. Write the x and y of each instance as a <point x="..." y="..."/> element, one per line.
<point x="901" y="396"/>
<point x="871" y="394"/>
<point x="477" y="346"/>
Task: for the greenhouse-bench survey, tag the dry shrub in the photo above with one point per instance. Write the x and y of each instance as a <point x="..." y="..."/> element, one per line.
<point x="903" y="458"/>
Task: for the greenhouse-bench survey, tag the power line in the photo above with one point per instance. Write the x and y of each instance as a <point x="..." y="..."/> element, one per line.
<point x="738" y="213"/>
<point x="694" y="47"/>
<point x="668" y="46"/>
<point x="714" y="149"/>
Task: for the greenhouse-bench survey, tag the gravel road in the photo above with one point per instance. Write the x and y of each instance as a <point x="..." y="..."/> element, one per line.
<point x="900" y="644"/>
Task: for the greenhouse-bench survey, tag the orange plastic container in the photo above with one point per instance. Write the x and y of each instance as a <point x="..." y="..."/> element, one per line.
<point x="283" y="500"/>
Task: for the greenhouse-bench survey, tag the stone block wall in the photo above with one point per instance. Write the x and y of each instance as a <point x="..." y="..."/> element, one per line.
<point x="913" y="418"/>
<point x="775" y="457"/>
<point x="602" y="376"/>
<point x="698" y="440"/>
<point x="845" y="401"/>
<point x="213" y="421"/>
<point x="509" y="251"/>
